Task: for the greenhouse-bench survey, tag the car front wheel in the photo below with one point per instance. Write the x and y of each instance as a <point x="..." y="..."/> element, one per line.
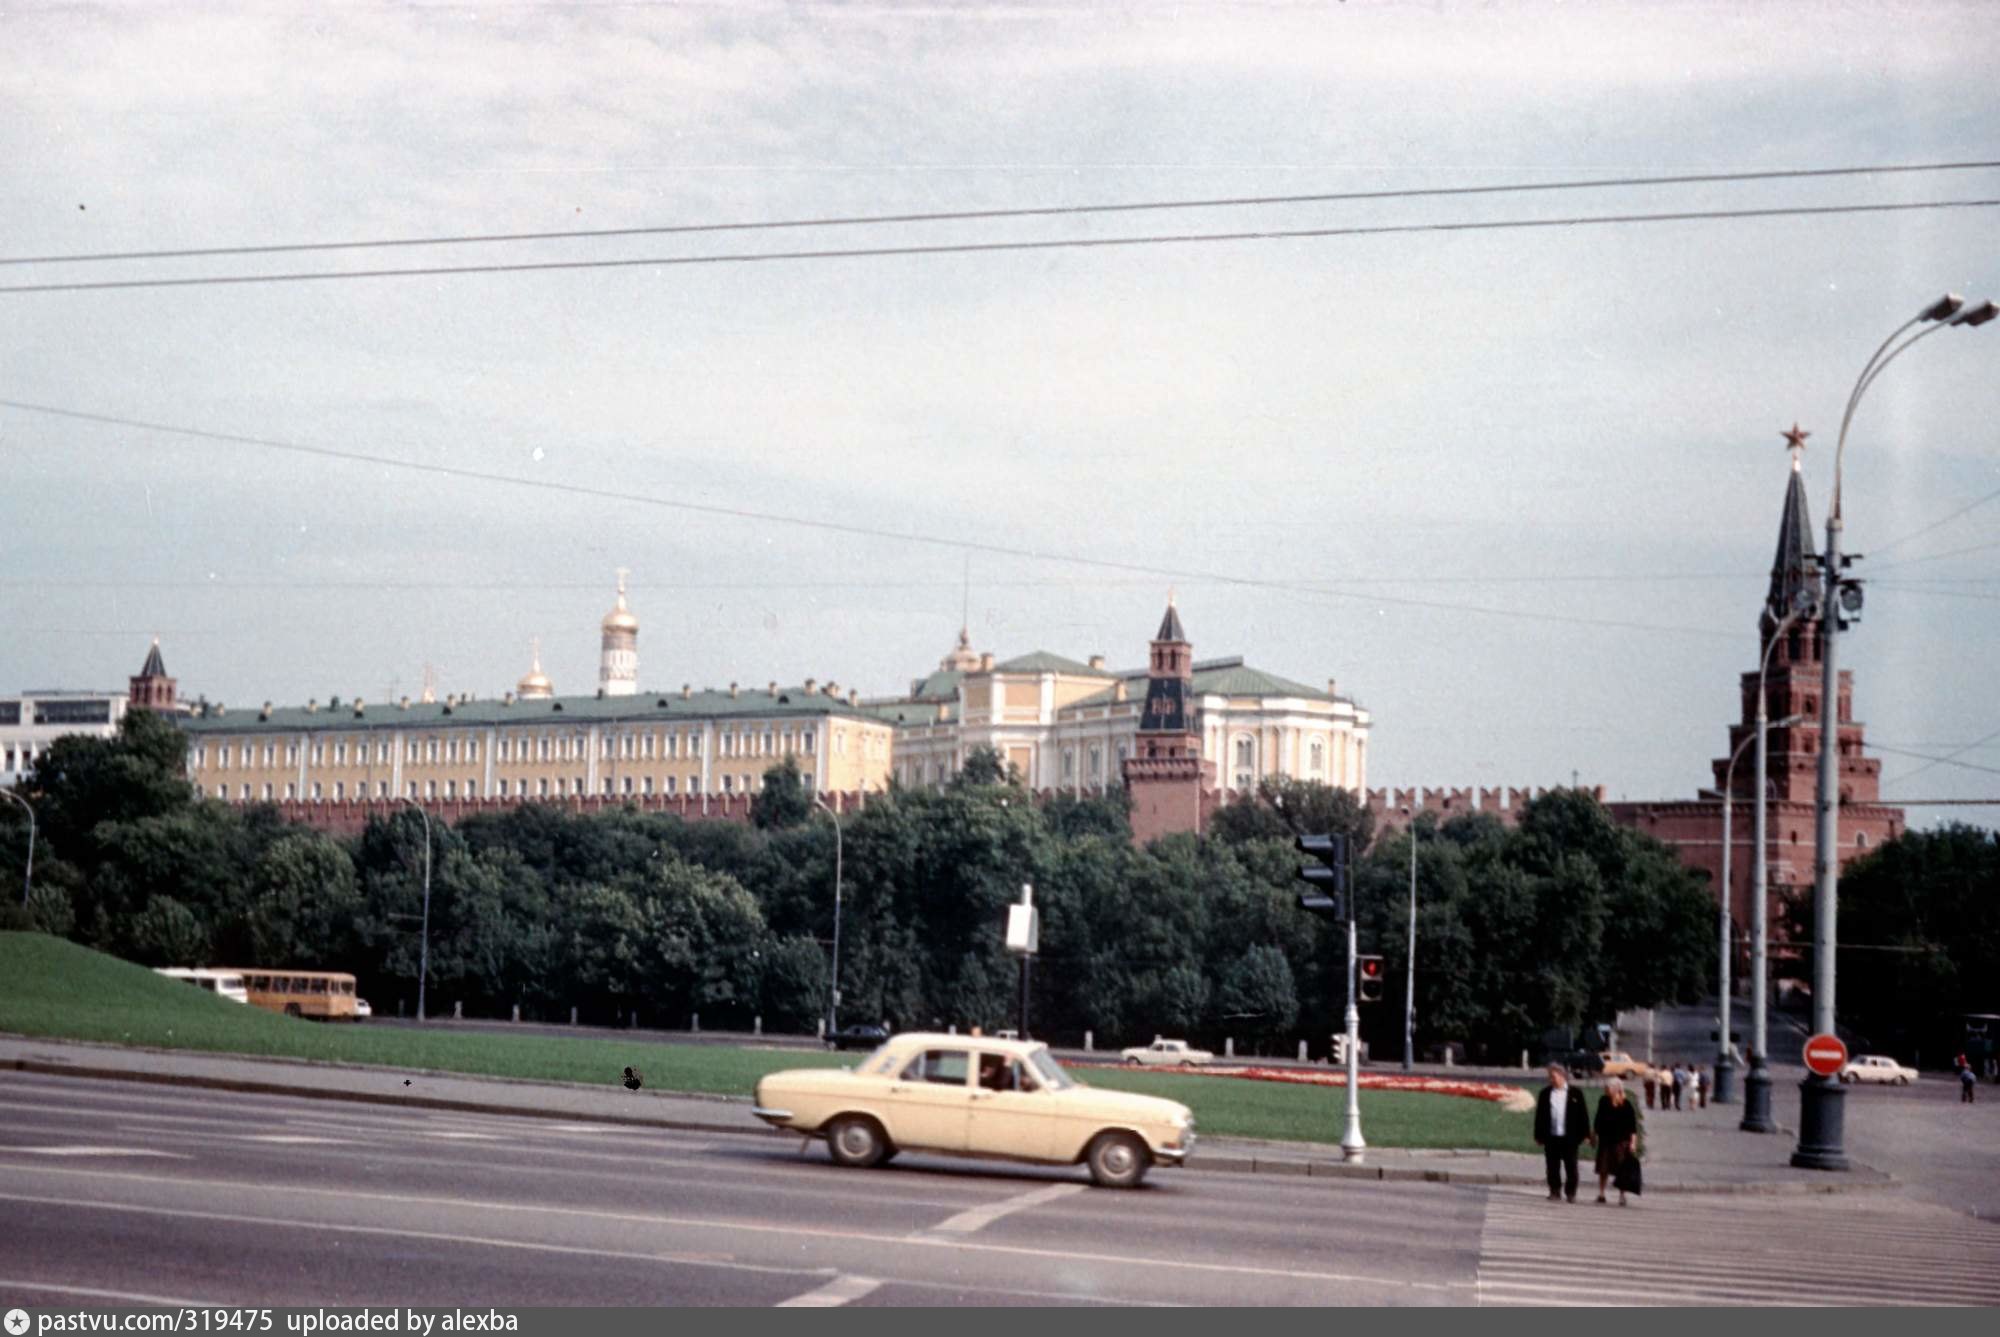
<point x="1118" y="1160"/>
<point x="856" y="1142"/>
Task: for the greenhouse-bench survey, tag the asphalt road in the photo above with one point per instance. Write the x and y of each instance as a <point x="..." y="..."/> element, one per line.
<point x="116" y="1192"/>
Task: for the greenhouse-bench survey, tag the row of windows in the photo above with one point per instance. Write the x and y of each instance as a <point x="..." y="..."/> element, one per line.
<point x="666" y="744"/>
<point x="545" y="787"/>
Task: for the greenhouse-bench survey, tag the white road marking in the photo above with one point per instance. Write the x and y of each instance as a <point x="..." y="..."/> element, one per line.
<point x="94" y="1293"/>
<point x="295" y="1191"/>
<point x="460" y="1136"/>
<point x="292" y="1139"/>
<point x="839" y="1291"/>
<point x="97" y="1151"/>
<point x="980" y="1217"/>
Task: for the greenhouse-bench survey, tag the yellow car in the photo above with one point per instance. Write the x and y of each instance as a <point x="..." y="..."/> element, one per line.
<point x="1617" y="1064"/>
<point x="976" y="1096"/>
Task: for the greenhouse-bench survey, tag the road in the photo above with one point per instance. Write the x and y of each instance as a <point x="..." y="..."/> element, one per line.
<point x="119" y="1192"/>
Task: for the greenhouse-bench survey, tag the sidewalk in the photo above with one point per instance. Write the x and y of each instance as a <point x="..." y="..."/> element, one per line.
<point x="1693" y="1151"/>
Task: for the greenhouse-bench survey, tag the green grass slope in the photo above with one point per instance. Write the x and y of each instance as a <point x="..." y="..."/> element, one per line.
<point x="56" y="989"/>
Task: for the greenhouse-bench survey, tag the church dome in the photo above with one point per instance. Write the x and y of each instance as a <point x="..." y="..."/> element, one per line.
<point x="535" y="683"/>
<point x="620" y="618"/>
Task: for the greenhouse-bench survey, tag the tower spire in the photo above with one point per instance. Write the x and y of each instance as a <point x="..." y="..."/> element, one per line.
<point x="1791" y="567"/>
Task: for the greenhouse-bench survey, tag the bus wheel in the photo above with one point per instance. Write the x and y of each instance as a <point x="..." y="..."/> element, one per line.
<point x="292" y="1010"/>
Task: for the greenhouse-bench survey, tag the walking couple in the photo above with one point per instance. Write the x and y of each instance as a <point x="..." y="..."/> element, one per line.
<point x="1563" y="1124"/>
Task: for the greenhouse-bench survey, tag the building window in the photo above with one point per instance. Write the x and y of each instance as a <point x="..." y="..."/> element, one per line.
<point x="291" y="791"/>
<point x="291" y="754"/>
<point x="694" y="784"/>
<point x="1069" y="763"/>
<point x="1319" y="757"/>
<point x="430" y="749"/>
<point x="1096" y="762"/>
<point x="626" y="784"/>
<point x="222" y="791"/>
<point x="382" y="788"/>
<point x="646" y="785"/>
<point x="267" y="793"/>
<point x="1246" y="753"/>
<point x="607" y="785"/>
<point x="430" y="789"/>
<point x="318" y="753"/>
<point x="245" y="796"/>
<point x="728" y="783"/>
<point x="670" y="784"/>
<point x="543" y="790"/>
<point x="806" y="741"/>
<point x="769" y="742"/>
<point x="339" y="790"/>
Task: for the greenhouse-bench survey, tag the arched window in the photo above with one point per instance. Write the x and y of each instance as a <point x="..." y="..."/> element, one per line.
<point x="1246" y="753"/>
<point x="1096" y="762"/>
<point x="1069" y="763"/>
<point x="1318" y="756"/>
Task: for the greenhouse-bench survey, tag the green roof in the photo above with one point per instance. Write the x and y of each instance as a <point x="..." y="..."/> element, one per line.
<point x="646" y="707"/>
<point x="940" y="686"/>
<point x="1220" y="677"/>
<point x="1041" y="661"/>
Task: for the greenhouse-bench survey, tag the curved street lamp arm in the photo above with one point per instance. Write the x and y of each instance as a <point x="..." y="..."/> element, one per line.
<point x="28" y="876"/>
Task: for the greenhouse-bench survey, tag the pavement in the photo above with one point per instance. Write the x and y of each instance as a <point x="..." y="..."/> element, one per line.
<point x="122" y="1192"/>
<point x="1696" y="1151"/>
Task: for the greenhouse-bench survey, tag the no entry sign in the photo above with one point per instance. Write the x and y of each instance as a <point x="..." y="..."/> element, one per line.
<point x="1826" y="1055"/>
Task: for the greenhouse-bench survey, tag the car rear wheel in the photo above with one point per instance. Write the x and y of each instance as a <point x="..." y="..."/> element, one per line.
<point x="856" y="1142"/>
<point x="1902" y="1081"/>
<point x="1847" y="1078"/>
<point x="1118" y="1160"/>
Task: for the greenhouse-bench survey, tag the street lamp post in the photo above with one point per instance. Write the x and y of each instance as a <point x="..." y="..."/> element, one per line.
<point x="1725" y="1062"/>
<point x="1757" y="1083"/>
<point x="1410" y="976"/>
<point x="28" y="878"/>
<point x="1822" y="1109"/>
<point x="833" y="993"/>
<point x="424" y="948"/>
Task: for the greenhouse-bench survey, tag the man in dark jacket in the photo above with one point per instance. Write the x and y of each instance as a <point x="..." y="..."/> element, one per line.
<point x="1562" y="1124"/>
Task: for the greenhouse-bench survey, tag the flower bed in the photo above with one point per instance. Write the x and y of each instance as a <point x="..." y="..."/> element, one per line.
<point x="1509" y="1097"/>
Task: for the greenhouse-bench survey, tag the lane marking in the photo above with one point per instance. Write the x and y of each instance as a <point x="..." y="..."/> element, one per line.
<point x="1175" y="1264"/>
<point x="97" y="1151"/>
<point x="459" y="1136"/>
<point x="95" y="1293"/>
<point x="978" y="1218"/>
<point x="723" y="1262"/>
<point x="841" y="1290"/>
<point x="292" y="1139"/>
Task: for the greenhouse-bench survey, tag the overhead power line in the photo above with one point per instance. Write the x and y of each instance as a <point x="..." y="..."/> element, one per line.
<point x="997" y="247"/>
<point x="989" y="215"/>
<point x="841" y="527"/>
<point x="1937" y="524"/>
<point x="1949" y="758"/>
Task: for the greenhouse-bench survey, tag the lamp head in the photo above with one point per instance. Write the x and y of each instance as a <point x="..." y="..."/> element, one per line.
<point x="1977" y="315"/>
<point x="1944" y="307"/>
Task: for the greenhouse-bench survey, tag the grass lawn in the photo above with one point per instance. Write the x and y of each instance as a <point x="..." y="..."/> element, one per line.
<point x="53" y="988"/>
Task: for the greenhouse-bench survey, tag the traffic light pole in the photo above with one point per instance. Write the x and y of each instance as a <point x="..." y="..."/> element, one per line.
<point x="1353" y="1146"/>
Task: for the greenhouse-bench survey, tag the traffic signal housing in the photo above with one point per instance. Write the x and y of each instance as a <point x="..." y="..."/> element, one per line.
<point x="1368" y="972"/>
<point x="1326" y="878"/>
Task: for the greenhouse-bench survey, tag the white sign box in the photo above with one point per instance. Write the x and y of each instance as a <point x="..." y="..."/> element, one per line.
<point x="1024" y="929"/>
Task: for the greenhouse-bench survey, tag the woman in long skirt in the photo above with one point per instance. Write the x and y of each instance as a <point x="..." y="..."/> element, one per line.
<point x="1617" y="1129"/>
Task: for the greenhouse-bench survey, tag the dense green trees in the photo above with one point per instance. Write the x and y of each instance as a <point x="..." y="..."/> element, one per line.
<point x="626" y="913"/>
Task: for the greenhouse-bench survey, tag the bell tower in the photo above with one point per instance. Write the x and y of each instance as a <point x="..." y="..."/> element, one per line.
<point x="1165" y="777"/>
<point x="152" y="689"/>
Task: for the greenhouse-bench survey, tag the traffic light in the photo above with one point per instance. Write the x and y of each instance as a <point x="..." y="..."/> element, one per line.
<point x="1368" y="970"/>
<point x="1326" y="878"/>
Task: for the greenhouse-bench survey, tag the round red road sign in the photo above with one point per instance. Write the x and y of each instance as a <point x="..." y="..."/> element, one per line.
<point x="1826" y="1055"/>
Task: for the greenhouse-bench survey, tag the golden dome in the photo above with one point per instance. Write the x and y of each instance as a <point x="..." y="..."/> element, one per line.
<point x="620" y="618"/>
<point x="535" y="683"/>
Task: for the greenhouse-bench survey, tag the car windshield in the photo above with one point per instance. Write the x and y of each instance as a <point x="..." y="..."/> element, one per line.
<point x="1050" y="1071"/>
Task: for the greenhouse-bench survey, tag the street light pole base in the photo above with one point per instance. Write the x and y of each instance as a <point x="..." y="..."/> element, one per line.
<point x="1822" y="1125"/>
<point x="1725" y="1082"/>
<point x="1757" y="1099"/>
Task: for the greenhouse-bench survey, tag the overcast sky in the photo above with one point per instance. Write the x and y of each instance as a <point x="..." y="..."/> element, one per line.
<point x="1516" y="490"/>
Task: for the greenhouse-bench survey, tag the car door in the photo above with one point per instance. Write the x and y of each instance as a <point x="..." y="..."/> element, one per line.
<point x="1012" y="1115"/>
<point x="930" y="1101"/>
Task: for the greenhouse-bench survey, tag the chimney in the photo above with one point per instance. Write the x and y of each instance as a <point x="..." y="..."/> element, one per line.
<point x="312" y="706"/>
<point x="687" y="690"/>
<point x="507" y="700"/>
<point x="732" y="691"/>
<point x="333" y="703"/>
<point x="986" y="662"/>
<point x="811" y="684"/>
<point x="771" y="689"/>
<point x="1330" y="688"/>
<point x="854" y="696"/>
<point x="944" y="710"/>
<point x="357" y="707"/>
<point x="1097" y="661"/>
<point x="218" y="709"/>
<point x="1118" y="690"/>
<point x="265" y="713"/>
<point x="832" y="688"/>
<point x="403" y="704"/>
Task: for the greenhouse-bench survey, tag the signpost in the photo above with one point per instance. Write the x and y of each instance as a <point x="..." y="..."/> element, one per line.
<point x="1826" y="1055"/>
<point x="1024" y="939"/>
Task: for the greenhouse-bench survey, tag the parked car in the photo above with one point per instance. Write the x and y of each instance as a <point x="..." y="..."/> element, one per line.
<point x="976" y="1096"/>
<point x="361" y="1009"/>
<point x="1166" y="1054"/>
<point x="1615" y="1063"/>
<point x="857" y="1037"/>
<point x="1877" y="1068"/>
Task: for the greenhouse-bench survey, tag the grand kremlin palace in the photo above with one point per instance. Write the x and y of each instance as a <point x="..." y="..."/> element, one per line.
<point x="1065" y="724"/>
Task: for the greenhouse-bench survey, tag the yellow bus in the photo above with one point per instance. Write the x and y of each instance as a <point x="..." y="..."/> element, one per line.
<point x="322" y="995"/>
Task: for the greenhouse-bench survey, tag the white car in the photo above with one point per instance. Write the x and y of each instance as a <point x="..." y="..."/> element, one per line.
<point x="1166" y="1054"/>
<point x="1876" y="1068"/>
<point x="361" y="1009"/>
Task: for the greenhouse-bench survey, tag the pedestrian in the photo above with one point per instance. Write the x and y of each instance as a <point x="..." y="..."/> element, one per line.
<point x="1701" y="1082"/>
<point x="1562" y="1122"/>
<point x="1652" y="1085"/>
<point x="1968" y="1082"/>
<point x="1617" y="1130"/>
<point x="1680" y="1085"/>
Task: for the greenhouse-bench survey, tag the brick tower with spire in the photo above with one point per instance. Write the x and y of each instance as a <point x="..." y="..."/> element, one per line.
<point x="1793" y="685"/>
<point x="152" y="689"/>
<point x="1166" y="778"/>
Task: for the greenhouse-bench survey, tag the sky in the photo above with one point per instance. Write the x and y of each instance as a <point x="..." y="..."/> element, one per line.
<point x="1516" y="490"/>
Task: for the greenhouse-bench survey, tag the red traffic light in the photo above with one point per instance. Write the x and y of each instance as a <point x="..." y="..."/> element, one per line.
<point x="1371" y="967"/>
<point x="1369" y="970"/>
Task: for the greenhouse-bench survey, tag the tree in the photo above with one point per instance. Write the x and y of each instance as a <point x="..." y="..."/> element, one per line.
<point x="1283" y="808"/>
<point x="1258" y="995"/>
<point x="304" y="904"/>
<point x="166" y="933"/>
<point x="785" y="800"/>
<point x="984" y="766"/>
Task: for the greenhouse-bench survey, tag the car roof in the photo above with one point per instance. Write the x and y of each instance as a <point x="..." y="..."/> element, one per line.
<point x="937" y="1040"/>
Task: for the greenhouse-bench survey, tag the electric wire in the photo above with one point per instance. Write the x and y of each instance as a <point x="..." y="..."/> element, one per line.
<point x="1949" y="758"/>
<point x="841" y="527"/>
<point x="989" y="215"/>
<point x="998" y="247"/>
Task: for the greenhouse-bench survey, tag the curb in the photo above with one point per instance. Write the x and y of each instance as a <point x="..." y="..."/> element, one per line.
<point x="1216" y="1164"/>
<point x="243" y="1087"/>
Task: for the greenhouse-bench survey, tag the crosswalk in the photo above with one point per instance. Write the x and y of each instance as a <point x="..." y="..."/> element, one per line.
<point x="1701" y="1249"/>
